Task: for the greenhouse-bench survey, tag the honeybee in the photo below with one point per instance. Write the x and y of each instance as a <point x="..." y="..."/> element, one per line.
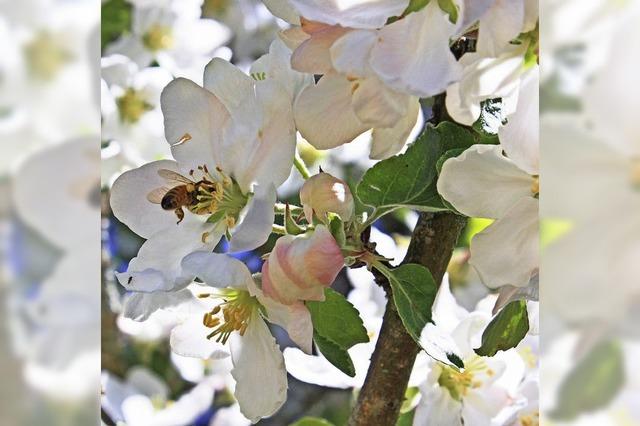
<point x="199" y="197"/>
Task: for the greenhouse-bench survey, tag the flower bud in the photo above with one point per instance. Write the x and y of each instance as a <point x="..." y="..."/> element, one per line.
<point x="300" y="267"/>
<point x="322" y="194"/>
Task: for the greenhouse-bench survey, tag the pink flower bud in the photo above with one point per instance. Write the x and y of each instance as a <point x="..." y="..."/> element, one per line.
<point x="322" y="194"/>
<point x="300" y="267"/>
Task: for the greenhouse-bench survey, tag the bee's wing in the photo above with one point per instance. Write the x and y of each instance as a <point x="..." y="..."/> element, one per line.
<point x="170" y="175"/>
<point x="157" y="194"/>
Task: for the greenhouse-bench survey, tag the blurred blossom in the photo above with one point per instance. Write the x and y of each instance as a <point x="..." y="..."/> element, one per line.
<point x="49" y="220"/>
<point x="589" y="204"/>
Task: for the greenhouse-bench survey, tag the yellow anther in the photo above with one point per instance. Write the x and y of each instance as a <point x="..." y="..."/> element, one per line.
<point x="215" y="310"/>
<point x="185" y="138"/>
<point x="535" y="185"/>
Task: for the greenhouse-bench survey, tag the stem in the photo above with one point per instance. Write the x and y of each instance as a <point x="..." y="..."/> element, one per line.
<point x="281" y="207"/>
<point x="302" y="168"/>
<point x="278" y="229"/>
<point x="432" y="244"/>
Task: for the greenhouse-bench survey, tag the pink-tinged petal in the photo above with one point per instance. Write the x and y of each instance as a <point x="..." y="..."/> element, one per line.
<point x="300" y="267"/>
<point x="293" y="37"/>
<point x="323" y="194"/>
<point x="314" y="55"/>
<point x="324" y="114"/>
<point x="388" y="141"/>
<point x="376" y="105"/>
<point x="129" y="199"/>
<point x="294" y="318"/>
<point x="413" y="56"/>
<point x="350" y="53"/>
<point x="350" y="13"/>
<point x="514" y="236"/>
<point x="193" y="123"/>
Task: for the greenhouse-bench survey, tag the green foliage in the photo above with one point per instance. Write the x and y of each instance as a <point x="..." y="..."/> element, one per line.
<point x="506" y="329"/>
<point x="335" y="354"/>
<point x="311" y="421"/>
<point x="406" y="419"/>
<point x="290" y="224"/>
<point x="336" y="227"/>
<point x="450" y="8"/>
<point x="409" y="179"/>
<point x="337" y="327"/>
<point x="414" y="291"/>
<point x="116" y="20"/>
<point x="593" y="383"/>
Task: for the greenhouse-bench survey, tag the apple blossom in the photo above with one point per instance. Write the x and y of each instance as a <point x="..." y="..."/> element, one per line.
<point x="173" y="34"/>
<point x="237" y="317"/>
<point x="143" y="399"/>
<point x="482" y="182"/>
<point x="236" y="138"/>
<point x="130" y="104"/>
<point x="300" y="267"/>
<point x="322" y="194"/>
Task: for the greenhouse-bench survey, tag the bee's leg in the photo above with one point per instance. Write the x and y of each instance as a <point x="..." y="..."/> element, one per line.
<point x="180" y="213"/>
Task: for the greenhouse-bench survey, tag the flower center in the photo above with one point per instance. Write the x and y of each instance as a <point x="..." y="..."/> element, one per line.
<point x="131" y="106"/>
<point x="532" y="419"/>
<point x="232" y="315"/>
<point x="635" y="172"/>
<point x="45" y="56"/>
<point x="219" y="196"/>
<point x="158" y="37"/>
<point x="535" y="186"/>
<point x="458" y="382"/>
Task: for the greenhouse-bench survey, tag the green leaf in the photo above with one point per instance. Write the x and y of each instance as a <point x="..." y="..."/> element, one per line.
<point x="290" y="225"/>
<point x="406" y="419"/>
<point x="336" y="227"/>
<point x="116" y="20"/>
<point x="414" y="291"/>
<point x="449" y="7"/>
<point x="593" y="383"/>
<point x="415" y="6"/>
<point x="336" y="355"/>
<point x="408" y="180"/>
<point x="506" y="329"/>
<point x="338" y="320"/>
<point x="311" y="421"/>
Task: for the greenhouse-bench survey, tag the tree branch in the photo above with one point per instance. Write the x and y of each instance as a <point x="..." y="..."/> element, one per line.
<point x="381" y="397"/>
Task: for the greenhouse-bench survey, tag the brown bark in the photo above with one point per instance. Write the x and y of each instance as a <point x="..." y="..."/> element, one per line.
<point x="381" y="397"/>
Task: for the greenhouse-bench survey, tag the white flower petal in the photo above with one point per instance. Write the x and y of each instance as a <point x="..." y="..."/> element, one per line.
<point x="283" y="10"/>
<point x="259" y="371"/>
<point x="230" y="85"/>
<point x="255" y="228"/>
<point x="147" y="382"/>
<point x="193" y="119"/>
<point x="507" y="251"/>
<point x="376" y="105"/>
<point x="190" y="339"/>
<point x="499" y="25"/>
<point x="157" y="265"/>
<point x="350" y="53"/>
<point x="350" y="13"/>
<point x="482" y="182"/>
<point x="129" y="199"/>
<point x="277" y="65"/>
<point x="315" y="369"/>
<point x="139" y="306"/>
<point x="412" y="55"/>
<point x="217" y="270"/>
<point x="520" y="137"/>
<point x="268" y="151"/>
<point x="386" y="142"/>
<point x="437" y="408"/>
<point x="324" y="115"/>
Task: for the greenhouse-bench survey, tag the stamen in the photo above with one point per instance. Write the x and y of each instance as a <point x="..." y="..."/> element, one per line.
<point x="185" y="138"/>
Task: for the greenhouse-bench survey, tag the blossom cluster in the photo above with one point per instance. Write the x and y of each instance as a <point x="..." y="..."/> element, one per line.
<point x="233" y="130"/>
